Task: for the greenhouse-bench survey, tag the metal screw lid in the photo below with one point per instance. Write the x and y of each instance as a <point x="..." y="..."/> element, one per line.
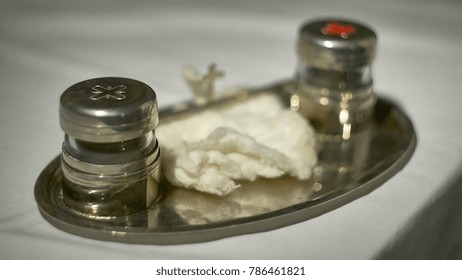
<point x="338" y="45"/>
<point x="108" y="110"/>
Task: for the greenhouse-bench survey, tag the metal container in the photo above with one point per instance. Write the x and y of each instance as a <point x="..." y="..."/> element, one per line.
<point x="111" y="157"/>
<point x="334" y="91"/>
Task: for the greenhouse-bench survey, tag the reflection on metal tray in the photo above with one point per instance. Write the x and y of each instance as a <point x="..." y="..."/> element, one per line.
<point x="186" y="216"/>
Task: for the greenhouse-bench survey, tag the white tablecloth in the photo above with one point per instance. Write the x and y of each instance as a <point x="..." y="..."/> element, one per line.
<point x="46" y="46"/>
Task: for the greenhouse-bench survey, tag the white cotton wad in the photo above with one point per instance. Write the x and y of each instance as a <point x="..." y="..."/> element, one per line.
<point x="255" y="138"/>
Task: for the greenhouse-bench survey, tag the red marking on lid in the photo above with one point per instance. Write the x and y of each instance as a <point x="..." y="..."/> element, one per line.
<point x="335" y="28"/>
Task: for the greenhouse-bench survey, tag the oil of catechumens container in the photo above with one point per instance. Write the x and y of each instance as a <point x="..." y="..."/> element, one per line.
<point x="111" y="157"/>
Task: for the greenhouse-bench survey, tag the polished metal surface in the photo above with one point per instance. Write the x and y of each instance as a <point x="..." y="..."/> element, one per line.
<point x="111" y="158"/>
<point x="186" y="216"/>
<point x="339" y="45"/>
<point x="334" y="91"/>
<point x="334" y="77"/>
<point x="109" y="109"/>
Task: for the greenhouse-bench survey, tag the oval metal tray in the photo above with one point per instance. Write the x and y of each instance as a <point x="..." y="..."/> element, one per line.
<point x="187" y="216"/>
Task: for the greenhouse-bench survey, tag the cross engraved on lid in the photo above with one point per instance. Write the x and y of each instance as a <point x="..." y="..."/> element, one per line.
<point x="100" y="92"/>
<point x="336" y="28"/>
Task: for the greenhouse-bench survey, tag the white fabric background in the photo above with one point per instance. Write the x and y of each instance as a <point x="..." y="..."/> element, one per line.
<point x="46" y="46"/>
